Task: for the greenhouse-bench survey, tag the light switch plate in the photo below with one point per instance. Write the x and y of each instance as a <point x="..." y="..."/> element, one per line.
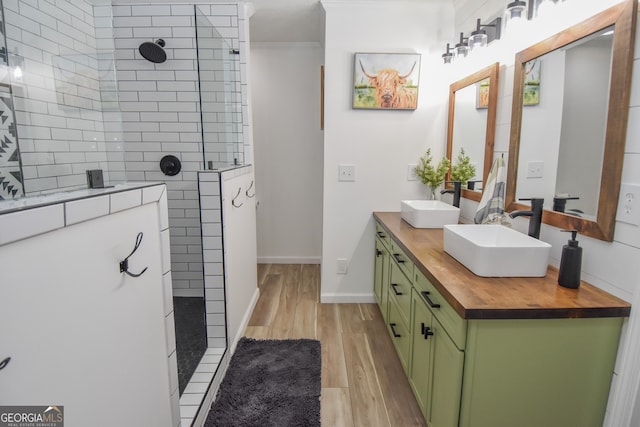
<point x="342" y="265"/>
<point x="346" y="172"/>
<point x="411" y="173"/>
<point x="629" y="204"/>
<point x="535" y="169"/>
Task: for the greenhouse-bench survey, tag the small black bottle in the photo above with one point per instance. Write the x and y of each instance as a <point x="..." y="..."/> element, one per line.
<point x="570" y="263"/>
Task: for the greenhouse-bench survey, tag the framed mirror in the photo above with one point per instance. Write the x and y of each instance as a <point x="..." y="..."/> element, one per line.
<point x="569" y="121"/>
<point x="472" y="125"/>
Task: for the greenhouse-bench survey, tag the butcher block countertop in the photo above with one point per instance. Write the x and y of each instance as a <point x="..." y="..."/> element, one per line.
<point x="475" y="297"/>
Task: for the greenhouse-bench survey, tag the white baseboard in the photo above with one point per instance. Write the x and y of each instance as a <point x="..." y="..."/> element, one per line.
<point x="201" y="417"/>
<point x="245" y="319"/>
<point x="289" y="260"/>
<point x="347" y="298"/>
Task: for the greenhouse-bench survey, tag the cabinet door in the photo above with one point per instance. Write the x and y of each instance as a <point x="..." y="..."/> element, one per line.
<point x="381" y="269"/>
<point x="446" y="379"/>
<point x="421" y="360"/>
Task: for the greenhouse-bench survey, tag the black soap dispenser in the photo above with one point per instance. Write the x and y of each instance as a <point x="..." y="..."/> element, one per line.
<point x="570" y="263"/>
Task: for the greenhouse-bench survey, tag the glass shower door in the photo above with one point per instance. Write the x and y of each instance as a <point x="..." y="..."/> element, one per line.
<point x="220" y="97"/>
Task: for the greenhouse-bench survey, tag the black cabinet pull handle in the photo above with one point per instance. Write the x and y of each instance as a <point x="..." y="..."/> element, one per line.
<point x="395" y="291"/>
<point x="378" y="252"/>
<point x="393" y="329"/>
<point x="425" y="331"/>
<point x="425" y="295"/>
<point x="381" y="235"/>
<point x="4" y="363"/>
<point x="398" y="258"/>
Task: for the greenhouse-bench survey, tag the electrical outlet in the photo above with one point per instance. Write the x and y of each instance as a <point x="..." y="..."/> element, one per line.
<point x="342" y="265"/>
<point x="411" y="173"/>
<point x="535" y="169"/>
<point x="346" y="172"/>
<point x="629" y="204"/>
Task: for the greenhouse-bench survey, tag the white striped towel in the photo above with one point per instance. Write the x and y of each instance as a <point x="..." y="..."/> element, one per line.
<point x="491" y="208"/>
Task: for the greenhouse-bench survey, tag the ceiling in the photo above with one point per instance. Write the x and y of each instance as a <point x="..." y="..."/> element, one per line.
<point x="279" y="21"/>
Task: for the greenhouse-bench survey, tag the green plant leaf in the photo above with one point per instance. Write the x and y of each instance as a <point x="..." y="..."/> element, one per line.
<point x="430" y="175"/>
<point x="462" y="170"/>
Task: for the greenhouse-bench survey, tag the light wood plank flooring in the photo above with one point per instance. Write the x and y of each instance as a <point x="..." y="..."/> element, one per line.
<point x="363" y="383"/>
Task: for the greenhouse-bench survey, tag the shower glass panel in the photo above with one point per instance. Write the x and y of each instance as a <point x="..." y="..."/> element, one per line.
<point x="58" y="98"/>
<point x="220" y="97"/>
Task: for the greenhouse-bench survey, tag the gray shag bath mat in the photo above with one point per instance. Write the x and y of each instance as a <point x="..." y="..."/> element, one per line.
<point x="270" y="383"/>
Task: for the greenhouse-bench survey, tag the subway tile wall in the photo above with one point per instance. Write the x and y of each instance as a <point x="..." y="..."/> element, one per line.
<point x="59" y="100"/>
<point x="161" y="114"/>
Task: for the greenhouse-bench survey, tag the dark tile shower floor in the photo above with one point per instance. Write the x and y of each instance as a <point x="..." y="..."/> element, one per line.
<point x="191" y="336"/>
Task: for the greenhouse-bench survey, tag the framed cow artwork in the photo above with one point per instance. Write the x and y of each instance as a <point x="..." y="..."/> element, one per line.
<point x="386" y="81"/>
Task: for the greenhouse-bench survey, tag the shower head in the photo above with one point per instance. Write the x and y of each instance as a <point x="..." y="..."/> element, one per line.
<point x="153" y="51"/>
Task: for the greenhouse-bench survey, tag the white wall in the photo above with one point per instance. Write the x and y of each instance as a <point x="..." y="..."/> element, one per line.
<point x="469" y="128"/>
<point x="285" y="86"/>
<point x="381" y="144"/>
<point x="541" y="126"/>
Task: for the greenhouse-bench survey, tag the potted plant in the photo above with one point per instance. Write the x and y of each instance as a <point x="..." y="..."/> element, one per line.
<point x="432" y="176"/>
<point x="463" y="170"/>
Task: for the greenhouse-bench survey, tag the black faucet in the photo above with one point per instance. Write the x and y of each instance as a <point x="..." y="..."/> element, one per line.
<point x="471" y="185"/>
<point x="560" y="203"/>
<point x="535" y="215"/>
<point x="457" y="186"/>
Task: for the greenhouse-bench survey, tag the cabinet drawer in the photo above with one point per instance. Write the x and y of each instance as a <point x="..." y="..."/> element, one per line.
<point x="383" y="236"/>
<point x="400" y="291"/>
<point x="401" y="259"/>
<point x="454" y="325"/>
<point x="399" y="332"/>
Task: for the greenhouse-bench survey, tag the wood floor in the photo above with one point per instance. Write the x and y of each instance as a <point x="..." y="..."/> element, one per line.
<point x="363" y="383"/>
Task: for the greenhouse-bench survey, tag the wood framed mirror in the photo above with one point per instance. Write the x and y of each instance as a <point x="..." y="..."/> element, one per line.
<point x="472" y="124"/>
<point x="558" y="114"/>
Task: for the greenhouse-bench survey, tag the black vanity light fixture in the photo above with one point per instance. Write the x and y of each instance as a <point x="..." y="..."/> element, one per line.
<point x="461" y="48"/>
<point x="515" y="10"/>
<point x="448" y="55"/>
<point x="481" y="37"/>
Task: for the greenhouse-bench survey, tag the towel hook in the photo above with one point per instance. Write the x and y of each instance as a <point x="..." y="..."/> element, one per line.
<point x="251" y="196"/>
<point x="233" y="201"/>
<point x="124" y="264"/>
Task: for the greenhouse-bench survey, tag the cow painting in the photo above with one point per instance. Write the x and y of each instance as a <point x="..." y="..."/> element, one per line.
<point x="387" y="87"/>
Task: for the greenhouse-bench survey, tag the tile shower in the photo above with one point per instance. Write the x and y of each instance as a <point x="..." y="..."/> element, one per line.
<point x="74" y="113"/>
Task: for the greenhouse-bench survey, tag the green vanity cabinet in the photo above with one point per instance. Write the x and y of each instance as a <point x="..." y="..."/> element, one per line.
<point x="538" y="372"/>
<point x="493" y="352"/>
<point x="436" y="365"/>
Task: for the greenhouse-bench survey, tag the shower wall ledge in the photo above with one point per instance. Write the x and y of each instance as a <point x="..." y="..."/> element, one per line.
<point x="31" y="216"/>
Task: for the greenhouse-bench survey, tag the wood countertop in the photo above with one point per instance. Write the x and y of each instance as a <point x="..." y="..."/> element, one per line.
<point x="475" y="297"/>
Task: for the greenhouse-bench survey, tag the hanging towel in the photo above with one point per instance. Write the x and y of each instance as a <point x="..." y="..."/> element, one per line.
<point x="491" y="208"/>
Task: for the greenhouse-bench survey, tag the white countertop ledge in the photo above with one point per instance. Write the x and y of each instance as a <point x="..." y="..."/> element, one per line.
<point x="30" y="216"/>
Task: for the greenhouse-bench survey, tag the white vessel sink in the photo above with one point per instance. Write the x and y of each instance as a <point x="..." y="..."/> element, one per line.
<point x="428" y="213"/>
<point x="496" y="250"/>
